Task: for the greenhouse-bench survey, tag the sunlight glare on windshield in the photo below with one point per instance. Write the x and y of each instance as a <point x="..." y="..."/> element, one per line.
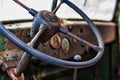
<point x="9" y="10"/>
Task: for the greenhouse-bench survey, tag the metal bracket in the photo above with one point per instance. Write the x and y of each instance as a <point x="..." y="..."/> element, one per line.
<point x="11" y="73"/>
<point x="9" y="67"/>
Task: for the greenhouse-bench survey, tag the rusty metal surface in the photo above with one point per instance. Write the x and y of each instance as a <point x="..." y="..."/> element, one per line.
<point x="9" y="64"/>
<point x="107" y="30"/>
<point x="60" y="45"/>
<point x="79" y="28"/>
<point x="23" y="34"/>
<point x="10" y="60"/>
<point x="10" y="72"/>
<point x="9" y="55"/>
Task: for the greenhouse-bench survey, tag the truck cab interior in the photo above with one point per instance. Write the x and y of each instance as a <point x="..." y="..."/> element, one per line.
<point x="59" y="40"/>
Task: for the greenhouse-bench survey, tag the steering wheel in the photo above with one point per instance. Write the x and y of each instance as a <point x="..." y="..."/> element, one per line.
<point x="51" y="25"/>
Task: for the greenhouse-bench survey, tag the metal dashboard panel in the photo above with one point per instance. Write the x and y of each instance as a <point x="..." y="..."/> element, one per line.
<point x="62" y="46"/>
<point x="82" y="30"/>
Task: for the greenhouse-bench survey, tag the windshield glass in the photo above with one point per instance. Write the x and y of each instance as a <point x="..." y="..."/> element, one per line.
<point x="9" y="10"/>
<point x="95" y="9"/>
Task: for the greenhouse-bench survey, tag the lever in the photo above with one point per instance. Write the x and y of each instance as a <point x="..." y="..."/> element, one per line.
<point x="95" y="47"/>
<point x="76" y="58"/>
<point x="30" y="10"/>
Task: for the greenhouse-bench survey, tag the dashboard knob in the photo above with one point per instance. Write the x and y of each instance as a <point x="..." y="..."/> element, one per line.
<point x="77" y="57"/>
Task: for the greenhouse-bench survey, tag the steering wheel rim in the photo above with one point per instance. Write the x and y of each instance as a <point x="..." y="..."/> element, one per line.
<point x="57" y="61"/>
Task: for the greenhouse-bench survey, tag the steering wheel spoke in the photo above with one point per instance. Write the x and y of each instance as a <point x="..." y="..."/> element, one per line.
<point x="95" y="47"/>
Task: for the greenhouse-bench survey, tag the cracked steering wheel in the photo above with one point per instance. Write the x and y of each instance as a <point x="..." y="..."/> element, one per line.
<point x="50" y="24"/>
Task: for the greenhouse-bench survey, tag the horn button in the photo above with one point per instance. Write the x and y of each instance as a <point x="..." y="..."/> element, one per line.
<point x="51" y="23"/>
